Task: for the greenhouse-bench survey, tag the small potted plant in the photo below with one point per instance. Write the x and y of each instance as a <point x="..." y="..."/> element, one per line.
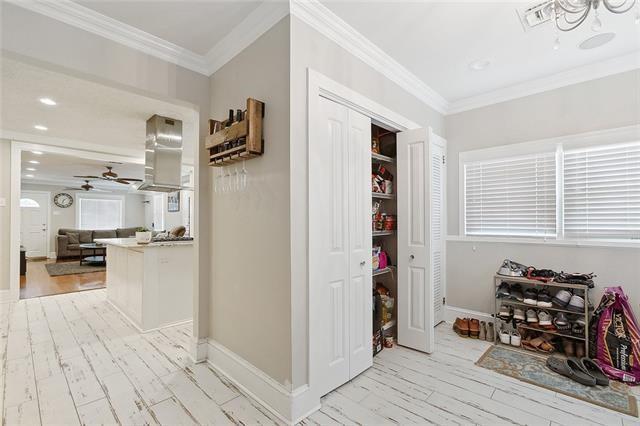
<point x="143" y="235"/>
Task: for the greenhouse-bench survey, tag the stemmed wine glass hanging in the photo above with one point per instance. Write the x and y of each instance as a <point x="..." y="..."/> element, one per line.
<point x="231" y="179"/>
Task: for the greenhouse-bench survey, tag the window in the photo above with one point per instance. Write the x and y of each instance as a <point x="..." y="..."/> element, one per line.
<point x="602" y="193"/>
<point x="512" y="196"/>
<point x="100" y="213"/>
<point x="581" y="191"/>
<point x="28" y="202"/>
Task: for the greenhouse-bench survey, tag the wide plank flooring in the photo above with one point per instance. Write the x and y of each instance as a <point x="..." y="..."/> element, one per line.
<point x="72" y="359"/>
<point x="37" y="282"/>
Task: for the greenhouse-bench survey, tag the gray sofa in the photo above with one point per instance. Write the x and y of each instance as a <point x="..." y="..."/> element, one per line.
<point x="69" y="245"/>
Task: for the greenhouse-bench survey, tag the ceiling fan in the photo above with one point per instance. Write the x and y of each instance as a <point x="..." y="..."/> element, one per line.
<point x="111" y="176"/>
<point x="86" y="187"/>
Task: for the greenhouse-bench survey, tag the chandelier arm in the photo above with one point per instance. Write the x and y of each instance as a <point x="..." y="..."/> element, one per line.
<point x="614" y="9"/>
<point x="567" y="10"/>
<point x="577" y="22"/>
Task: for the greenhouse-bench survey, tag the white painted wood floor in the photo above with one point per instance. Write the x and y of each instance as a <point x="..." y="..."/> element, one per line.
<point x="72" y="359"/>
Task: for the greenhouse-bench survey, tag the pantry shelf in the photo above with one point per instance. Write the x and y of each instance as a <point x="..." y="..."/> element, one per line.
<point x="388" y="325"/>
<point x="381" y="195"/>
<point x="380" y="157"/>
<point x="382" y="271"/>
<point x="382" y="233"/>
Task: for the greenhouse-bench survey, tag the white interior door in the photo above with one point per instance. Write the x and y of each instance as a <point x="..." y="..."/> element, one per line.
<point x="34" y="222"/>
<point x="437" y="148"/>
<point x="360" y="309"/>
<point x="415" y="286"/>
<point x="340" y="242"/>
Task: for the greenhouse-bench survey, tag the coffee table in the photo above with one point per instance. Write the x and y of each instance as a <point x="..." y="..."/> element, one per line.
<point x="97" y="255"/>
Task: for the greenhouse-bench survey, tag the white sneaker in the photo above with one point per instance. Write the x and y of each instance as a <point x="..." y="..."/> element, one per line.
<point x="518" y="314"/>
<point x="532" y="316"/>
<point x="505" y="337"/>
<point x="515" y="338"/>
<point x="544" y="318"/>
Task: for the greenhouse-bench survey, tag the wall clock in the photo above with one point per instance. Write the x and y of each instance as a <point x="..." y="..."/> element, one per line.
<point x="63" y="200"/>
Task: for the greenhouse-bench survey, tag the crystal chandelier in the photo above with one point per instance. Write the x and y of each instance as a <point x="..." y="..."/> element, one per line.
<point x="569" y="14"/>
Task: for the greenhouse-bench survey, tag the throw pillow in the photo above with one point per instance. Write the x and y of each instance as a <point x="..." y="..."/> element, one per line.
<point x="86" y="237"/>
<point x="73" y="237"/>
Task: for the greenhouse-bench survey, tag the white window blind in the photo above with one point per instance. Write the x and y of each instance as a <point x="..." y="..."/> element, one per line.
<point x="602" y="192"/>
<point x="99" y="213"/>
<point x="511" y="196"/>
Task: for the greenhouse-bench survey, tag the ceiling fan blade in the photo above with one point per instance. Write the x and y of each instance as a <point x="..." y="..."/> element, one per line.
<point x="74" y="189"/>
<point x="131" y="179"/>
<point x="88" y="177"/>
<point x="122" y="181"/>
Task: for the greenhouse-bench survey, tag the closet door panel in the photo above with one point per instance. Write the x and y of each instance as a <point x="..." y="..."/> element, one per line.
<point x="415" y="289"/>
<point x="332" y="226"/>
<point x="437" y="147"/>
<point x="360" y="308"/>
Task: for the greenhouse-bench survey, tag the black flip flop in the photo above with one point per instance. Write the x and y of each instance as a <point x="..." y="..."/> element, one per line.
<point x="595" y="371"/>
<point x="570" y="368"/>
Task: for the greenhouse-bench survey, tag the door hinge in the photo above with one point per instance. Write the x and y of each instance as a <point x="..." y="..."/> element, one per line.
<point x="444" y="300"/>
<point x="443" y="160"/>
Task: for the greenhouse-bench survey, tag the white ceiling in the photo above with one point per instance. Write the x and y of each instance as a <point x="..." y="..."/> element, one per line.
<point x="87" y="112"/>
<point x="59" y="169"/>
<point x="437" y="41"/>
<point x="194" y="25"/>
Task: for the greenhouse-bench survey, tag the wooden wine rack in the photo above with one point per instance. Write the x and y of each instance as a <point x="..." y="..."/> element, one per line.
<point x="240" y="141"/>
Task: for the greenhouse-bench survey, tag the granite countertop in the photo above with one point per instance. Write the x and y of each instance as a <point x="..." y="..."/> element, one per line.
<point x="132" y="243"/>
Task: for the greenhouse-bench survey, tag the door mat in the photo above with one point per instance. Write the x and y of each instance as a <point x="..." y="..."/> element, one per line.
<point x="532" y="369"/>
<point x="57" y="269"/>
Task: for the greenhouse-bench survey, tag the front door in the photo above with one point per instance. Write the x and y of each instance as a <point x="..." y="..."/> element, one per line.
<point x="34" y="222"/>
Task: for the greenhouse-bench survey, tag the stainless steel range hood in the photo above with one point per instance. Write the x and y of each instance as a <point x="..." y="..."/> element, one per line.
<point x="163" y="155"/>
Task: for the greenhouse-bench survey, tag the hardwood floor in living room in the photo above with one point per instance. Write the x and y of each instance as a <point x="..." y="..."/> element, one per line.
<point x="37" y="282"/>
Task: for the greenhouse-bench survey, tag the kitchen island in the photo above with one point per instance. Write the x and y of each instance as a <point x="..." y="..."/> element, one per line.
<point x="151" y="284"/>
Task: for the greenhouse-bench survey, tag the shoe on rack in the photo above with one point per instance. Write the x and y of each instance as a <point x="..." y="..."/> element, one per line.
<point x="505" y="336"/>
<point x="576" y="304"/>
<point x="510" y="268"/>
<point x="516" y="293"/>
<point x="544" y="318"/>
<point x="569" y="347"/>
<point x="491" y="334"/>
<point x="561" y="322"/>
<point x="579" y="350"/>
<point x="562" y="298"/>
<point x="577" y="329"/>
<point x="532" y="316"/>
<point x="474" y="328"/>
<point x="531" y="296"/>
<point x="503" y="290"/>
<point x="483" y="331"/>
<point x="515" y="338"/>
<point x="461" y="327"/>
<point x="544" y="298"/>
<point x="518" y="314"/>
<point x="505" y="312"/>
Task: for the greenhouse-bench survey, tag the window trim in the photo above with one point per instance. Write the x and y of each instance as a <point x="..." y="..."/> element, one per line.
<point x="80" y="196"/>
<point x="615" y="136"/>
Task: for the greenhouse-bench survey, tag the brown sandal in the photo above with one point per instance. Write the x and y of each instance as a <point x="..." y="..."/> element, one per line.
<point x="542" y="345"/>
<point x="461" y="327"/>
<point x="474" y="328"/>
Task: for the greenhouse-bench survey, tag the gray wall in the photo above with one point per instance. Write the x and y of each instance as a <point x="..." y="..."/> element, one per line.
<point x="36" y="38"/>
<point x="5" y="212"/>
<point x="250" y="306"/>
<point x="604" y="103"/>
<point x="310" y="49"/>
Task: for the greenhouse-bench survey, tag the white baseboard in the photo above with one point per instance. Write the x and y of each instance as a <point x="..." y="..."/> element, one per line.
<point x="6" y="296"/>
<point x="290" y="406"/>
<point x="199" y="348"/>
<point x="452" y="312"/>
<point x="52" y="255"/>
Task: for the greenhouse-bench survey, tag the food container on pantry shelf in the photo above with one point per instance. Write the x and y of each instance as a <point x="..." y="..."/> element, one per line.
<point x="389" y="223"/>
<point x="388" y="342"/>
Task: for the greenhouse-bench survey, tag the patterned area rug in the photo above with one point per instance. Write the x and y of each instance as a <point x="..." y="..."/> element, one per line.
<point x="57" y="269"/>
<point x="532" y="369"/>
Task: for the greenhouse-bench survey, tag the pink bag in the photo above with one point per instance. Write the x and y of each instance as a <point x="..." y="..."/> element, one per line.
<point x="616" y="335"/>
<point x="383" y="260"/>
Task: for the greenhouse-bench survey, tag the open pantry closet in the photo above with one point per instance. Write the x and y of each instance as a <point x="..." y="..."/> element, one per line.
<point x="376" y="239"/>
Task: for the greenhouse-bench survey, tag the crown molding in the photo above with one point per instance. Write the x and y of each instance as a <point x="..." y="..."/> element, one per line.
<point x="316" y="15"/>
<point x="565" y="78"/>
<point x="89" y="20"/>
<point x="258" y="22"/>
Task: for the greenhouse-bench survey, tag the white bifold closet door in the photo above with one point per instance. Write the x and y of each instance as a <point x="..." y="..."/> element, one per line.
<point x="341" y="224"/>
<point x="420" y="192"/>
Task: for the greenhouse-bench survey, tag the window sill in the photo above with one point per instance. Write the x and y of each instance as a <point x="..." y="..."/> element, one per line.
<point x="564" y="243"/>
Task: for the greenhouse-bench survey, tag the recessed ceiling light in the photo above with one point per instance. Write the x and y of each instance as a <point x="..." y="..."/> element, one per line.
<point x="30" y="169"/>
<point x="29" y="176"/>
<point x="479" y="64"/>
<point x="37" y="152"/>
<point x="48" y="101"/>
<point x="40" y="127"/>
<point x="596" y="41"/>
<point x="34" y="162"/>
